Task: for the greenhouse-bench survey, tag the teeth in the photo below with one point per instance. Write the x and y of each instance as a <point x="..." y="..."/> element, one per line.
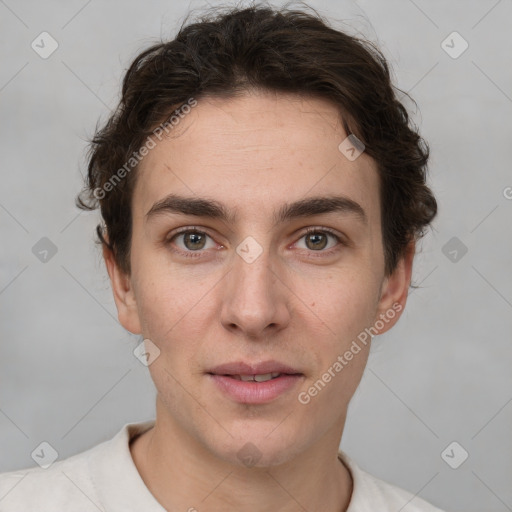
<point x="257" y="378"/>
<point x="263" y="378"/>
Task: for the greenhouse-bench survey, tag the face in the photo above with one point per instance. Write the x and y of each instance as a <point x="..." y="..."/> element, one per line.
<point x="236" y="271"/>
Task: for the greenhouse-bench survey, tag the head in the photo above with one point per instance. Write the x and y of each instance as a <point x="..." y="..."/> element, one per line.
<point x="243" y="224"/>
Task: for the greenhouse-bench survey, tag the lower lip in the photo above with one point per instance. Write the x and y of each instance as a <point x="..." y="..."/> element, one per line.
<point x="255" y="392"/>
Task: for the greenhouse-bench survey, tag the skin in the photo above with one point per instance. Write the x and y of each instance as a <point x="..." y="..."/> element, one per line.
<point x="295" y="303"/>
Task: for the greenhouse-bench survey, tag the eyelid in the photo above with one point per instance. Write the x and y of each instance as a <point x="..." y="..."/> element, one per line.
<point x="316" y="229"/>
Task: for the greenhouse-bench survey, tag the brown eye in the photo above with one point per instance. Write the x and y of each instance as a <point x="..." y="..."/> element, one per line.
<point x="316" y="241"/>
<point x="193" y="240"/>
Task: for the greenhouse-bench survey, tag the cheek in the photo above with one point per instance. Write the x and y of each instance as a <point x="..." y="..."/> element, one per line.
<point x="169" y="318"/>
<point x="344" y="303"/>
<point x="166" y="294"/>
<point x="175" y="311"/>
<point x="343" y="309"/>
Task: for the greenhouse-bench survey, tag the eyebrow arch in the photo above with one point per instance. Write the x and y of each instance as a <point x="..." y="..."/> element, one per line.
<point x="319" y="205"/>
<point x="198" y="207"/>
<point x="201" y="207"/>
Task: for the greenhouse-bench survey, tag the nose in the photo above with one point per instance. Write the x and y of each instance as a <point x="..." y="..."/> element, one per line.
<point x="256" y="301"/>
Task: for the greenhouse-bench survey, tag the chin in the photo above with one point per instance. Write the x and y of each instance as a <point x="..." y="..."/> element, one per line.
<point x="259" y="449"/>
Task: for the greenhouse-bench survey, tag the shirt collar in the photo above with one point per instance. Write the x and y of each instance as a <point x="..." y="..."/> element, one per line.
<point x="116" y="478"/>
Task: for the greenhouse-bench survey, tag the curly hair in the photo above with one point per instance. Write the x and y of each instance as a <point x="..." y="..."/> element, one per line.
<point x="231" y="50"/>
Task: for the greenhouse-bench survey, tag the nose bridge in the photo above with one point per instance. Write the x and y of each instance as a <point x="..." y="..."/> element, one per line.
<point x="251" y="270"/>
<point x="251" y="276"/>
<point x="253" y="298"/>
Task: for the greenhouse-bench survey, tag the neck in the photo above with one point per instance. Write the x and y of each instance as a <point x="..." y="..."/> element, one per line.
<point x="182" y="474"/>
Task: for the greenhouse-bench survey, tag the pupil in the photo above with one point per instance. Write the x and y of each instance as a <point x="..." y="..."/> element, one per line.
<point x="315" y="237"/>
<point x="196" y="239"/>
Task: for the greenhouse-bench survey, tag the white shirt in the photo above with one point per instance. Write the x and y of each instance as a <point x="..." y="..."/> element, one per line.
<point x="105" y="478"/>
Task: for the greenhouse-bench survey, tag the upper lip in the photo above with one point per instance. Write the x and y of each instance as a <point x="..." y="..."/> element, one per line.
<point x="242" y="368"/>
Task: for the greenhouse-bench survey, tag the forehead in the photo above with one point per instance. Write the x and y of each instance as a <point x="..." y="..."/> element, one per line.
<point x="255" y="151"/>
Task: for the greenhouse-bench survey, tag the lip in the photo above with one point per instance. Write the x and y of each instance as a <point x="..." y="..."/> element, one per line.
<point x="254" y="392"/>
<point x="242" y="368"/>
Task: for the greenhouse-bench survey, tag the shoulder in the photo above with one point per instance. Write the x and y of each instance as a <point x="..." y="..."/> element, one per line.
<point x="370" y="493"/>
<point x="65" y="485"/>
<point x="103" y="477"/>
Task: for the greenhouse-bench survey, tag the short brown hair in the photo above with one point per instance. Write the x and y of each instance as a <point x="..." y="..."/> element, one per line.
<point x="231" y="50"/>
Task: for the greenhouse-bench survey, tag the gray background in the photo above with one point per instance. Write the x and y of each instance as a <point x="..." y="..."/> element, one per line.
<point x="443" y="374"/>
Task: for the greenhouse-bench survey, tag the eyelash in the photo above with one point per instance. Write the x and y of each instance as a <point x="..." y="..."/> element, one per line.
<point x="196" y="254"/>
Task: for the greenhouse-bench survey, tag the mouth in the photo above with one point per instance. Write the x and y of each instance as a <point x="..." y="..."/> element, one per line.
<point x="268" y="369"/>
<point x="256" y="378"/>
<point x="254" y="384"/>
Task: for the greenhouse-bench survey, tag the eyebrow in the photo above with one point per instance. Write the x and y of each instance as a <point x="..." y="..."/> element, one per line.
<point x="202" y="207"/>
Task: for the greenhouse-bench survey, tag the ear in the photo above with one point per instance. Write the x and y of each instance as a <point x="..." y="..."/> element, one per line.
<point x="124" y="296"/>
<point x="394" y="291"/>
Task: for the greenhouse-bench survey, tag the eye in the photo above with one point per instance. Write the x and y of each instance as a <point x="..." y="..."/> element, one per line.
<point x="191" y="240"/>
<point x="317" y="240"/>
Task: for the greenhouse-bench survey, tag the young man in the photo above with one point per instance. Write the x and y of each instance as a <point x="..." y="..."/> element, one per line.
<point x="262" y="193"/>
